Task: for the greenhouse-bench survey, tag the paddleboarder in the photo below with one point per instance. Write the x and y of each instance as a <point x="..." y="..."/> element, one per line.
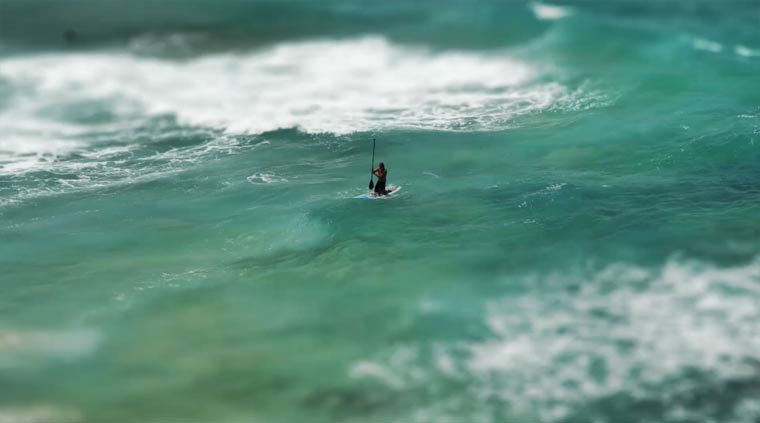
<point x="381" y="172"/>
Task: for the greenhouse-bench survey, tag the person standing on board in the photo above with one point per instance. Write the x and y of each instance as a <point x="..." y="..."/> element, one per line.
<point x="381" y="173"/>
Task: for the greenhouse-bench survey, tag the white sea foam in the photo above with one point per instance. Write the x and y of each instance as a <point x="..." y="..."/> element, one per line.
<point x="17" y="346"/>
<point x="318" y="86"/>
<point x="265" y="178"/>
<point x="641" y="327"/>
<point x="27" y="141"/>
<point x="39" y="414"/>
<point x="746" y="51"/>
<point x="628" y="331"/>
<point x="550" y="12"/>
<point x="365" y="369"/>
<point x="431" y="174"/>
<point x="707" y="45"/>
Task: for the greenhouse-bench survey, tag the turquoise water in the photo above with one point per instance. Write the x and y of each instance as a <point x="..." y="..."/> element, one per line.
<point x="577" y="238"/>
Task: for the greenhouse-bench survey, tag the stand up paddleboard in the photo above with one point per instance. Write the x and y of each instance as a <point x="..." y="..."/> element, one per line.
<point x="392" y="190"/>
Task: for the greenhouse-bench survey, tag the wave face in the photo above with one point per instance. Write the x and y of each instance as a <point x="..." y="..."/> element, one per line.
<point x="576" y="240"/>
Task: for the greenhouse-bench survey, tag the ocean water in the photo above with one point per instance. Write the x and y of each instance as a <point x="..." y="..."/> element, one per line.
<point x="577" y="240"/>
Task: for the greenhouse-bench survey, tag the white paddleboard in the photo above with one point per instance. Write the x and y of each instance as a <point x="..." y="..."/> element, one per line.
<point x="392" y="190"/>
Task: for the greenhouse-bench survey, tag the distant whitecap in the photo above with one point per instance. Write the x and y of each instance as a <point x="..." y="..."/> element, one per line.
<point x="707" y="45"/>
<point x="265" y="178"/>
<point x="746" y="51"/>
<point x="550" y="12"/>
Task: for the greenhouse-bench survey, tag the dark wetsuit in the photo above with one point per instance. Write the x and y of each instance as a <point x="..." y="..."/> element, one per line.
<point x="380" y="185"/>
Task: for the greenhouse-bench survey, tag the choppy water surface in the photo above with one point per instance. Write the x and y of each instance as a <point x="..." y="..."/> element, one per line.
<point x="578" y="238"/>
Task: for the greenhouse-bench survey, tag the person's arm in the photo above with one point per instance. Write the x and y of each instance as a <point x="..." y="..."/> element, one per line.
<point x="376" y="172"/>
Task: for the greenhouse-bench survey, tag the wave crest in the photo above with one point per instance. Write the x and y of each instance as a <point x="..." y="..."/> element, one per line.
<point x="317" y="86"/>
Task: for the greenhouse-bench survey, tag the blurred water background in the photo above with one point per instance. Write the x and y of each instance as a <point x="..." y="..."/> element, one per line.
<point x="578" y="238"/>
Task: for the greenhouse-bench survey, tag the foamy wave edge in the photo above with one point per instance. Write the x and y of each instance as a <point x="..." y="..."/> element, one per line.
<point x="329" y="86"/>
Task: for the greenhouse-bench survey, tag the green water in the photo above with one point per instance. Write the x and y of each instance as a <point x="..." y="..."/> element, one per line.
<point x="577" y="236"/>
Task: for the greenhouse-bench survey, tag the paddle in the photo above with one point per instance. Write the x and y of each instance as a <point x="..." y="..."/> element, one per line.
<point x="372" y="183"/>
